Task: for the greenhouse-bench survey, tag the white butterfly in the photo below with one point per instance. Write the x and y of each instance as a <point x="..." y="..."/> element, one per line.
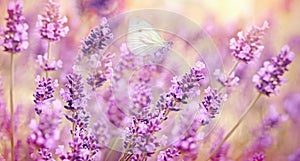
<point x="143" y="39"/>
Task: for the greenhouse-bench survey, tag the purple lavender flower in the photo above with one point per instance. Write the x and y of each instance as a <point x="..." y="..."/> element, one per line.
<point x="295" y="156"/>
<point x="182" y="89"/>
<point x="139" y="137"/>
<point x="257" y="157"/>
<point x="48" y="65"/>
<point x="44" y="91"/>
<point x="248" y="45"/>
<point x="84" y="146"/>
<point x="268" y="77"/>
<point x="212" y="101"/>
<point x="46" y="133"/>
<point x="74" y="95"/>
<point x="169" y="154"/>
<point x="97" y="38"/>
<point x="43" y="154"/>
<point x="16" y="35"/>
<point x="92" y="63"/>
<point x="51" y="24"/>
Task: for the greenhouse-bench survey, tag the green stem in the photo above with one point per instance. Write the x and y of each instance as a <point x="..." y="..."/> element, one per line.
<point x="236" y="125"/>
<point x="48" y="56"/>
<point x="11" y="94"/>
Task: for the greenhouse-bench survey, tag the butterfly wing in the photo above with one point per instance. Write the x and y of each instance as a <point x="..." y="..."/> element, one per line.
<point x="142" y="38"/>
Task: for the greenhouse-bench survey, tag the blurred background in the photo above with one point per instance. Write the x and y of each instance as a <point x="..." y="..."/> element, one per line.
<point x="221" y="20"/>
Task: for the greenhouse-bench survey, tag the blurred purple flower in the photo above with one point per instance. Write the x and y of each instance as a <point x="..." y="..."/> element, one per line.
<point x="51" y="24"/>
<point x="187" y="144"/>
<point x="114" y="113"/>
<point x="4" y="115"/>
<point x="262" y="134"/>
<point x="292" y="107"/>
<point x="127" y="61"/>
<point x="268" y="77"/>
<point x="16" y="35"/>
<point x="248" y="45"/>
<point x="48" y="65"/>
<point x="46" y="133"/>
<point x="101" y="133"/>
<point x="140" y="91"/>
<point x="169" y="154"/>
<point x="225" y="81"/>
<point x="222" y="153"/>
<point x="295" y="156"/>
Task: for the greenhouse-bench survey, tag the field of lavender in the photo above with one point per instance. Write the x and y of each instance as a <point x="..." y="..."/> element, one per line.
<point x="130" y="80"/>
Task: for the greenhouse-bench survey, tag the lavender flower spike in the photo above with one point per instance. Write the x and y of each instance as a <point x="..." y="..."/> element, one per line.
<point x="51" y="24"/>
<point x="16" y="35"/>
<point x="268" y="77"/>
<point x="248" y="45"/>
<point x="44" y="91"/>
<point x="212" y="101"/>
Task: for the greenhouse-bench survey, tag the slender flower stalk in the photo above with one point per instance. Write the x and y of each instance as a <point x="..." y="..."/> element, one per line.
<point x="48" y="56"/>
<point x="11" y="95"/>
<point x="15" y="40"/>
